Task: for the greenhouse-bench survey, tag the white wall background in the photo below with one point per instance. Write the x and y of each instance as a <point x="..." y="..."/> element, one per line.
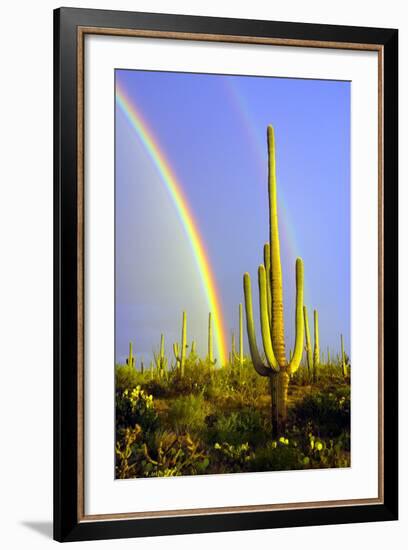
<point x="26" y="270"/>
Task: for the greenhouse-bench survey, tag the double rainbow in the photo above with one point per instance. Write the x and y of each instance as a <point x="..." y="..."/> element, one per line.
<point x="174" y="188"/>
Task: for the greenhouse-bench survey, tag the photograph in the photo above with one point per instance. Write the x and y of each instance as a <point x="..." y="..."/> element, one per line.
<point x="225" y="274"/>
<point x="232" y="274"/>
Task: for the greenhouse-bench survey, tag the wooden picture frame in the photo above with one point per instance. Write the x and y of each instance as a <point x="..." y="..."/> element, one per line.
<point x="71" y="26"/>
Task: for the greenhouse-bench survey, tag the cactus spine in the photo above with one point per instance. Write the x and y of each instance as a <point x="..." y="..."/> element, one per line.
<point x="180" y="352"/>
<point x="271" y="310"/>
<point x="210" y="356"/>
<point x="130" y="360"/>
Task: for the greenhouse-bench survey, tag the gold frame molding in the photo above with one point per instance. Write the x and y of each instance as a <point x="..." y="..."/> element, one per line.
<point x="82" y="32"/>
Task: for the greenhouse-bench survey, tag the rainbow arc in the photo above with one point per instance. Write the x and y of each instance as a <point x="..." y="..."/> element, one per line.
<point x="168" y="177"/>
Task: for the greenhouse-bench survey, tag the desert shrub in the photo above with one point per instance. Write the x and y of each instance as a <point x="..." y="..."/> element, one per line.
<point x="157" y="387"/>
<point x="161" y="454"/>
<point x="136" y="407"/>
<point x="277" y="455"/>
<point x="188" y="413"/>
<point x="170" y="454"/>
<point x="325" y="373"/>
<point x="325" y="413"/>
<point x="232" y="458"/>
<point x="332" y="453"/>
<point x="197" y="376"/>
<point x="237" y="386"/>
<point x="126" y="377"/>
<point x="332" y="371"/>
<point x="302" y="377"/>
<point x="126" y="466"/>
<point x="246" y="425"/>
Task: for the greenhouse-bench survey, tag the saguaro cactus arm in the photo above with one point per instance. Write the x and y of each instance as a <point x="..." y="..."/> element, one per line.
<point x="298" y="351"/>
<point x="267" y="264"/>
<point x="265" y="326"/>
<point x="309" y="352"/>
<point x="162" y="345"/>
<point x="256" y="358"/>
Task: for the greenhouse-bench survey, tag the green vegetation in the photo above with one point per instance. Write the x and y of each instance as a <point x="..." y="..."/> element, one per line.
<point x="218" y="421"/>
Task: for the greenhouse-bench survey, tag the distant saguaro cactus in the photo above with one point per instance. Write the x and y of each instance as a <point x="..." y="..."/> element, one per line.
<point x="210" y="356"/>
<point x="316" y="350"/>
<point x="180" y="351"/>
<point x="343" y="357"/>
<point x="130" y="360"/>
<point x="241" y="338"/>
<point x="238" y="357"/>
<point x="233" y="348"/>
<point x="160" y="359"/>
<point x="277" y="367"/>
<point x="193" y="352"/>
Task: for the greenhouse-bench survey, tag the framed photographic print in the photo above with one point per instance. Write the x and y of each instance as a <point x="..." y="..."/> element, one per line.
<point x="225" y="274"/>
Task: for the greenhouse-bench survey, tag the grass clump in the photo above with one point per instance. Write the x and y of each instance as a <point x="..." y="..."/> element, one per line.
<point x="188" y="413"/>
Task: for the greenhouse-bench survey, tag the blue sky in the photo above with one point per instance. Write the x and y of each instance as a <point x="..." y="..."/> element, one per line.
<point x="212" y="129"/>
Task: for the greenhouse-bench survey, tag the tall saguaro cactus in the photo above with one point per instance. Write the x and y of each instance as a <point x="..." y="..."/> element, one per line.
<point x="130" y="360"/>
<point x="270" y="285"/>
<point x="180" y="351"/>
